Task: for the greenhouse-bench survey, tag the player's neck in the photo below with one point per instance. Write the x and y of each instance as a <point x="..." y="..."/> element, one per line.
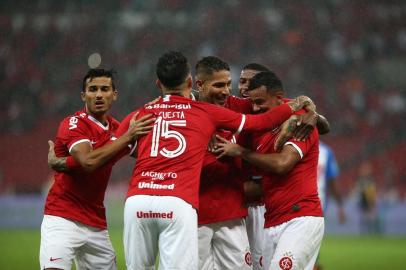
<point x="177" y="92"/>
<point x="102" y="118"/>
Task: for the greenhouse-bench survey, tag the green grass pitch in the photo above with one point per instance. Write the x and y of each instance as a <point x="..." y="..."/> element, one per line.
<point x="19" y="250"/>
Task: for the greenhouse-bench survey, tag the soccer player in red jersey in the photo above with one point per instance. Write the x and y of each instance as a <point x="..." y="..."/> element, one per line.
<point x="74" y="225"/>
<point x="247" y="72"/>
<point x="294" y="223"/>
<point x="160" y="209"/>
<point x="222" y="234"/>
<point x="256" y="209"/>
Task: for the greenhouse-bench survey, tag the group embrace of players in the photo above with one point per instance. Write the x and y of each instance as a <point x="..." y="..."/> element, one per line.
<point x="219" y="182"/>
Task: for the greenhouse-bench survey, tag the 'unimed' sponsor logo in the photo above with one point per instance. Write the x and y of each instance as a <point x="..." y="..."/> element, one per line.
<point x="151" y="214"/>
<point x="152" y="185"/>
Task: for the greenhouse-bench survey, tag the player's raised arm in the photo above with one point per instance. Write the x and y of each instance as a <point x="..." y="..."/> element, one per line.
<point x="91" y="160"/>
<point x="276" y="116"/>
<point x="83" y="156"/>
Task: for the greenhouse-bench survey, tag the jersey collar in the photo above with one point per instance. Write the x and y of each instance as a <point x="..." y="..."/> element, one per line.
<point x="97" y="122"/>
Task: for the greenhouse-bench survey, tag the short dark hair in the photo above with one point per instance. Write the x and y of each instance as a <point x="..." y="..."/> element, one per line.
<point x="256" y="67"/>
<point x="268" y="79"/>
<point x="98" y="72"/>
<point x="209" y="64"/>
<point x="172" y="69"/>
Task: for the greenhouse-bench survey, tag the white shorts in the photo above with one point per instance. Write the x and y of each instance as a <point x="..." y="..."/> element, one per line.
<point x="64" y="240"/>
<point x="255" y="231"/>
<point x="163" y="223"/>
<point x="294" y="244"/>
<point x="224" y="245"/>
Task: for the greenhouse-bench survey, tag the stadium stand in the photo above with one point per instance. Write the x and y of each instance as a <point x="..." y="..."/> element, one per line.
<point x="349" y="62"/>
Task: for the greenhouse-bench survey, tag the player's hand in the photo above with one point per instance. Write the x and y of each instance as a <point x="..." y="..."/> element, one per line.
<point x="287" y="132"/>
<point x="152" y="102"/>
<point x="307" y="103"/>
<point x="51" y="154"/>
<point x="227" y="148"/>
<point x="141" y="126"/>
<point x="302" y="102"/>
<point x="305" y="125"/>
<point x="212" y="146"/>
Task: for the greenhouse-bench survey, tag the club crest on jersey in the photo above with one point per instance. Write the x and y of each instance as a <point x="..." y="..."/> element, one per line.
<point x="286" y="262"/>
<point x="248" y="258"/>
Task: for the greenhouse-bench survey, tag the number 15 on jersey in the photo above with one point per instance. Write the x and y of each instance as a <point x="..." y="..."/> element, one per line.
<point x="162" y="130"/>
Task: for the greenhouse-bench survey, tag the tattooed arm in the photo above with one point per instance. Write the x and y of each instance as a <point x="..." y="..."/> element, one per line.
<point x="287" y="131"/>
<point x="56" y="163"/>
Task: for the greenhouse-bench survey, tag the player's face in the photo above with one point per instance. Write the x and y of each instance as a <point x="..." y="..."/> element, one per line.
<point x="245" y="77"/>
<point x="262" y="101"/>
<point x="216" y="88"/>
<point x="99" y="95"/>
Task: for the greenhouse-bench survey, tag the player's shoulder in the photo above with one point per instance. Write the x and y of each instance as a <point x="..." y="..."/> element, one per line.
<point x="74" y="120"/>
<point x="239" y="104"/>
<point x="237" y="100"/>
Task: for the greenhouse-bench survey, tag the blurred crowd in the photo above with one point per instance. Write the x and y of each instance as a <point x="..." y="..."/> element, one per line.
<point x="349" y="56"/>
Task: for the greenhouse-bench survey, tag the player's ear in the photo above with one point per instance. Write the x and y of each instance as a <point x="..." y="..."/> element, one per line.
<point x="158" y="84"/>
<point x="83" y="96"/>
<point x="189" y="81"/>
<point x="199" y="85"/>
<point x="115" y="94"/>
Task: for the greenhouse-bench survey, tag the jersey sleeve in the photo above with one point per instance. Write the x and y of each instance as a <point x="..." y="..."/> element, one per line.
<point x="72" y="164"/>
<point x="331" y="166"/>
<point x="268" y="120"/>
<point x="302" y="147"/>
<point x="72" y="131"/>
<point x="237" y="104"/>
<point x="236" y="122"/>
<point x="123" y="129"/>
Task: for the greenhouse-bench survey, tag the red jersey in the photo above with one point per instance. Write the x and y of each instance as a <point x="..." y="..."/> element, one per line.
<point x="237" y="104"/>
<point x="170" y="158"/>
<point x="221" y="177"/>
<point x="221" y="191"/>
<point x="294" y="194"/>
<point x="79" y="195"/>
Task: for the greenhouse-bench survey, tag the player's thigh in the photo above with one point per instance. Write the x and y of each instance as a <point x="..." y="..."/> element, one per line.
<point x="178" y="235"/>
<point x="298" y="243"/>
<point x="230" y="245"/>
<point x="255" y="227"/>
<point x="271" y="238"/>
<point x="98" y="252"/>
<point x="205" y="237"/>
<point x="60" y="238"/>
<point x="140" y="232"/>
<point x="255" y="232"/>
